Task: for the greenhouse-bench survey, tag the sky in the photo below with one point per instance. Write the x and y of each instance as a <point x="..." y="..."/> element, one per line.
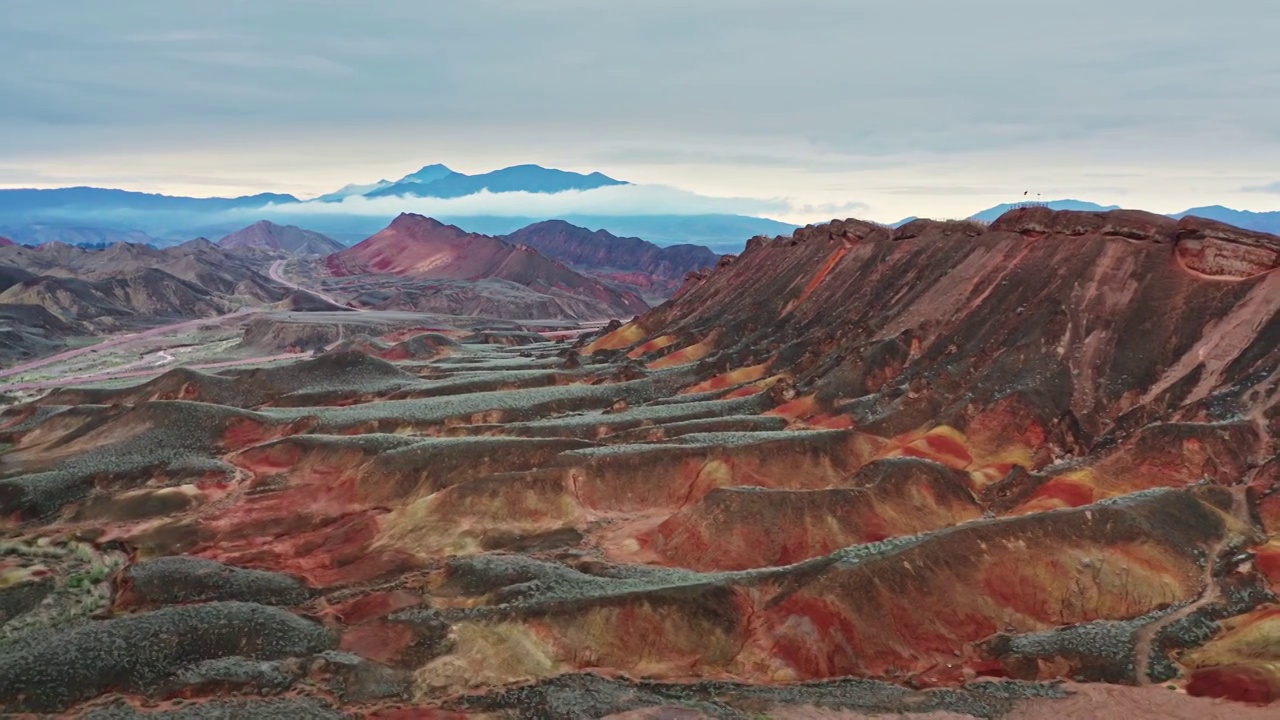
<point x="801" y="110"/>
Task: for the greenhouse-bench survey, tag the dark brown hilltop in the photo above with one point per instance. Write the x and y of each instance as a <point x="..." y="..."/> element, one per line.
<point x="632" y="262"/>
<point x="949" y="470"/>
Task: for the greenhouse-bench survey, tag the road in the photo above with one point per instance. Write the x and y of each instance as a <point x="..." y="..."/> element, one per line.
<point x="116" y="341"/>
<point x="123" y="372"/>
<point x="163" y="357"/>
<point x="275" y="272"/>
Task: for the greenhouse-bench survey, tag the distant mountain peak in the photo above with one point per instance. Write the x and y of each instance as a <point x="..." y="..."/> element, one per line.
<point x="267" y="235"/>
<point x="990" y="214"/>
<point x="527" y="178"/>
<point x="408" y="219"/>
<point x="427" y="173"/>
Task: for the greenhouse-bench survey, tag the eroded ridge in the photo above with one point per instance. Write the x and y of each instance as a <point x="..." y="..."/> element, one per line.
<point x="938" y="469"/>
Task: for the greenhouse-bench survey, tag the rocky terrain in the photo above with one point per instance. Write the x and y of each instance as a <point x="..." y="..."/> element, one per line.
<point x="197" y="261"/>
<point x="942" y="471"/>
<point x="630" y="262"/>
<point x="290" y="239"/>
<point x="452" y="271"/>
<point x="153" y="293"/>
<point x="93" y="292"/>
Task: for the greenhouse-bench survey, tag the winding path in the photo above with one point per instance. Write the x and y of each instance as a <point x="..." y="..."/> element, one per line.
<point x="116" y="341"/>
<point x="275" y="272"/>
<point x="126" y="372"/>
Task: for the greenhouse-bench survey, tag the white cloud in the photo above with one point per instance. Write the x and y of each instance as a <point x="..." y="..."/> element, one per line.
<point x="833" y="209"/>
<point x="1148" y="108"/>
<point x="612" y="200"/>
<point x="1268" y="188"/>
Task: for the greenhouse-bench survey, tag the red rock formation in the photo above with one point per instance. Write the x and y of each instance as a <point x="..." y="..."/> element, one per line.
<point x="871" y="471"/>
<point x="420" y="247"/>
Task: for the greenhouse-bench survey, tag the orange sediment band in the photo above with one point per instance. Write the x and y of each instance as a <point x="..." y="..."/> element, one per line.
<point x="733" y="378"/>
<point x="652" y="346"/>
<point x="625" y="336"/>
<point x="684" y="356"/>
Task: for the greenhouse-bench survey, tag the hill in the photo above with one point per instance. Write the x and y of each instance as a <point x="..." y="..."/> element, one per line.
<point x="291" y="239"/>
<point x="418" y="247"/>
<point x="150" y="293"/>
<point x="197" y="261"/>
<point x="628" y="261"/>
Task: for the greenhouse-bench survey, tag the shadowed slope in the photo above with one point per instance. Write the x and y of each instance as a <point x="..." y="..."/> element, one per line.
<point x="627" y="261"/>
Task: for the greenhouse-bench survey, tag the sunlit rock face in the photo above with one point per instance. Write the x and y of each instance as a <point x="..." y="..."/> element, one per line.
<point x="854" y="471"/>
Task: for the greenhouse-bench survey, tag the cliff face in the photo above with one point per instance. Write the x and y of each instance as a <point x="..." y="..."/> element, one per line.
<point x="626" y="261"/>
<point x="1107" y="321"/>
<point x="931" y="469"/>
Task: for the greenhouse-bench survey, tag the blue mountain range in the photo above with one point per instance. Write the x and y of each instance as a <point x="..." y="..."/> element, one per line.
<point x="26" y="202"/>
<point x="438" y="181"/>
<point x="992" y="213"/>
<point x="1268" y="222"/>
<point x="33" y="215"/>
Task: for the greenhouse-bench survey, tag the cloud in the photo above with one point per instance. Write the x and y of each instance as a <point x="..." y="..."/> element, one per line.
<point x="611" y="200"/>
<point x="726" y="68"/>
<point x="727" y="97"/>
<point x="934" y="189"/>
<point x="845" y="209"/>
<point x="1268" y="188"/>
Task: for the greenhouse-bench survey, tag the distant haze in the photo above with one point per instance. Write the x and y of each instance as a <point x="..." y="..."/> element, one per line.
<point x="799" y="110"/>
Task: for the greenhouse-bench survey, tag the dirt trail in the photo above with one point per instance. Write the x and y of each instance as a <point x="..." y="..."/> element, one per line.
<point x="117" y="341"/>
<point x="118" y="374"/>
<point x="114" y="342"/>
<point x="1211" y="594"/>
<point x="275" y="271"/>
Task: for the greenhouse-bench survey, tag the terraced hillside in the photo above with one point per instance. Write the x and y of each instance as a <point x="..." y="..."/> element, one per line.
<point x="1025" y="470"/>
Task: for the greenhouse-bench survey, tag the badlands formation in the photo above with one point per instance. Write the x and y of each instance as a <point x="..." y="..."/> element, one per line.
<point x="947" y="470"/>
